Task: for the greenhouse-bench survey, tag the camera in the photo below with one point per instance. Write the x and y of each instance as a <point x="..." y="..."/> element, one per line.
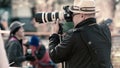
<point x="52" y="16"/>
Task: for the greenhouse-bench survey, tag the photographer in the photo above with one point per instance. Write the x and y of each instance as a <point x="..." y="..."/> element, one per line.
<point x="87" y="45"/>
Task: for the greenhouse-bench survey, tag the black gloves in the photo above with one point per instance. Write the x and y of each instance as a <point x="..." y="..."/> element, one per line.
<point x="40" y="52"/>
<point x="29" y="57"/>
<point x="54" y="38"/>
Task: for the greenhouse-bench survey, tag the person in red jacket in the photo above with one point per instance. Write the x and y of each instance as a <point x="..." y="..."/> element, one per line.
<point x="40" y="52"/>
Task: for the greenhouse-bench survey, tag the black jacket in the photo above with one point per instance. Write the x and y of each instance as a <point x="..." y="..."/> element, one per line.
<point x="73" y="50"/>
<point x="14" y="51"/>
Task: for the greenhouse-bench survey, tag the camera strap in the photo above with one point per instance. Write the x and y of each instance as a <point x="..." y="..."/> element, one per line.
<point x="61" y="38"/>
<point x="63" y="63"/>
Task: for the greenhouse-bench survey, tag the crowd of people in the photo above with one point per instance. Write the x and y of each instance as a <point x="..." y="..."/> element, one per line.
<point x="33" y="51"/>
<point x="87" y="45"/>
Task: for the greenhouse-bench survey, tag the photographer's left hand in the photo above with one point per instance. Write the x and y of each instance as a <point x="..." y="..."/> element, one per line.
<point x="55" y="27"/>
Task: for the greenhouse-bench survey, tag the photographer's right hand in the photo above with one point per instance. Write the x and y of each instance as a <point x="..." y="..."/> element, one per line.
<point x="55" y="27"/>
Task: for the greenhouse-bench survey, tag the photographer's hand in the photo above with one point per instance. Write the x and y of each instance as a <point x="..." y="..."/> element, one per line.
<point x="55" y="27"/>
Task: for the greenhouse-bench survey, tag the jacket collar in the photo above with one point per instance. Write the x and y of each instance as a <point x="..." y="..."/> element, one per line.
<point x="15" y="38"/>
<point x="86" y="22"/>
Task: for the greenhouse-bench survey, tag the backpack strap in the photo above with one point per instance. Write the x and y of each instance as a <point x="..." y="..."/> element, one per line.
<point x="13" y="39"/>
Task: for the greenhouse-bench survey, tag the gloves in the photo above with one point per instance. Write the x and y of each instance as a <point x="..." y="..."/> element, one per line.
<point x="40" y="52"/>
<point x="29" y="58"/>
<point x="38" y="55"/>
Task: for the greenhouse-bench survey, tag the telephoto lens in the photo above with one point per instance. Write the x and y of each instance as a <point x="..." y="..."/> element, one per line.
<point x="48" y="17"/>
<point x="45" y="17"/>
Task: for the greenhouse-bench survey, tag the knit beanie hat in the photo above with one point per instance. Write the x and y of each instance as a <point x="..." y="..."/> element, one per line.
<point x="34" y="41"/>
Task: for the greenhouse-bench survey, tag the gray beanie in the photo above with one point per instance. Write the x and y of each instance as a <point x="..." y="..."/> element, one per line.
<point x="15" y="25"/>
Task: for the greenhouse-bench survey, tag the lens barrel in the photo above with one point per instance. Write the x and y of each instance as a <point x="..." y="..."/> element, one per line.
<point x="46" y="17"/>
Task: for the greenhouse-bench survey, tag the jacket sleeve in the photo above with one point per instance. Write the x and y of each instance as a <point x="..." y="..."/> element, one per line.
<point x="60" y="52"/>
<point x="13" y="52"/>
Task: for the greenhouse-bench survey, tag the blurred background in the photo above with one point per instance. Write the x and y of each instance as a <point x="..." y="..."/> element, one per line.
<point x="24" y="11"/>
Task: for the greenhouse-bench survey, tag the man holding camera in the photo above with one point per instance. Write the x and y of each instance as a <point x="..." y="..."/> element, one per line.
<point x="87" y="45"/>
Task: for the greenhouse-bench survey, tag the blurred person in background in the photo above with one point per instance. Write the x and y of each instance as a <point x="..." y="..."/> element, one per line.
<point x="2" y="27"/>
<point x="41" y="53"/>
<point x="108" y="22"/>
<point x="87" y="45"/>
<point x="4" y="23"/>
<point x="3" y="56"/>
<point x="14" y="46"/>
<point x="4" y="20"/>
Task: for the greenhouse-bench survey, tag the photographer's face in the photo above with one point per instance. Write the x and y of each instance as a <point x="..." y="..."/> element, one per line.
<point x="77" y="18"/>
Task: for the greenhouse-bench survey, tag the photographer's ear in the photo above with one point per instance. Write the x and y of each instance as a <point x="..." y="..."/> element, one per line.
<point x="83" y="16"/>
